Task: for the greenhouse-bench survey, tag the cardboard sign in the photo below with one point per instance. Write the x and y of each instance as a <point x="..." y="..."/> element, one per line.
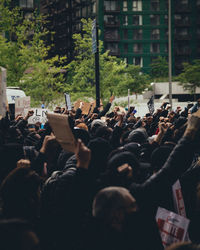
<point x="62" y="131"/>
<point x="173" y="227"/>
<point x="22" y="105"/>
<point x="94" y="105"/>
<point x="86" y="108"/>
<point x="68" y="102"/>
<point x="77" y="104"/>
<point x="178" y="199"/>
<point x="3" y="98"/>
<point x="38" y="116"/>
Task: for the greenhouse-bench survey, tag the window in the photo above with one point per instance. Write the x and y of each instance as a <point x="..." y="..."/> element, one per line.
<point x="137" y="19"/>
<point x="184" y="2"/>
<point x="78" y="13"/>
<point x="84" y="12"/>
<point x="125" y="35"/>
<point x="155" y="19"/>
<point x="166" y="19"/>
<point x="155" y="48"/>
<point x="182" y="48"/>
<point x="155" y="34"/>
<point x="125" y="48"/>
<point x="111" y="19"/>
<point x="125" y="20"/>
<point x="113" y="47"/>
<point x="138" y="61"/>
<point x="181" y="19"/>
<point x="137" y="5"/>
<point x="112" y="34"/>
<point x="155" y="5"/>
<point x="166" y="34"/>
<point x="94" y="8"/>
<point x="26" y="3"/>
<point x="198" y="33"/>
<point x="137" y="48"/>
<point x="181" y="32"/>
<point x="110" y="5"/>
<point x="126" y="60"/>
<point x="125" y="6"/>
<point x="166" y="47"/>
<point x="137" y="34"/>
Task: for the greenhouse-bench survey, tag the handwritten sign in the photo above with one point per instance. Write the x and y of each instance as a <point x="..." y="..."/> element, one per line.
<point x="173" y="227"/>
<point x="38" y="116"/>
<point x="3" y="98"/>
<point x="22" y="105"/>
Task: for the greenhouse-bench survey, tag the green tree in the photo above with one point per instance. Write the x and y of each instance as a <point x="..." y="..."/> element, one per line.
<point x="190" y="77"/>
<point x="22" y="47"/>
<point x="159" y="69"/>
<point x="135" y="80"/>
<point x="81" y="71"/>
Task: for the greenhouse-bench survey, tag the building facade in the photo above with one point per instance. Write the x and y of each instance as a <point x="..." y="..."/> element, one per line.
<point x="27" y="6"/>
<point x="134" y="30"/>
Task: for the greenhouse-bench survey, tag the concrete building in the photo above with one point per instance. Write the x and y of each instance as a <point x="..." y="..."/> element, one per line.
<point x="134" y="30"/>
<point x="160" y="90"/>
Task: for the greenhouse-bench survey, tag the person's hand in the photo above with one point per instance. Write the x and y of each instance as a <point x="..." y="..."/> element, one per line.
<point x="29" y="114"/>
<point x="120" y="119"/>
<point x="162" y="127"/>
<point x="83" y="155"/>
<point x="23" y="163"/>
<point x="81" y="105"/>
<point x="193" y="125"/>
<point x="112" y="98"/>
<point x="178" y="109"/>
<point x="125" y="168"/>
<point x="94" y="116"/>
<point x="48" y="141"/>
<point x="168" y="107"/>
<point x="19" y="117"/>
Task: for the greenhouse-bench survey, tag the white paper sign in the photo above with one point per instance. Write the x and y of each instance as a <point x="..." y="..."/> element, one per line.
<point x="173" y="227"/>
<point x="68" y="101"/>
<point x="178" y="199"/>
<point x="3" y="98"/>
<point x="22" y="105"/>
<point x="38" y="116"/>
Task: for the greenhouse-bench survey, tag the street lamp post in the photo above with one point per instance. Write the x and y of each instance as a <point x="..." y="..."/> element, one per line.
<point x="97" y="72"/>
<point x="170" y="51"/>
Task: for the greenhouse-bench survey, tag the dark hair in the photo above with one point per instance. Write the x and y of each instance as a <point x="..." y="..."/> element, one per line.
<point x="12" y="234"/>
<point x="103" y="132"/>
<point x="19" y="193"/>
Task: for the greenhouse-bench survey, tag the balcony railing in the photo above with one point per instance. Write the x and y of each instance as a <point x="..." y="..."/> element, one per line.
<point x="112" y="24"/>
<point x="182" y="8"/>
<point x="182" y="37"/>
<point x="111" y="38"/>
<point x="115" y="52"/>
<point x="182" y="23"/>
<point x="115" y="10"/>
<point x="180" y="52"/>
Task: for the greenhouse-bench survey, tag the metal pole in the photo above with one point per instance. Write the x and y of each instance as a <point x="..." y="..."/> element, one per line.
<point x="170" y="51"/>
<point x="97" y="73"/>
<point x="128" y="98"/>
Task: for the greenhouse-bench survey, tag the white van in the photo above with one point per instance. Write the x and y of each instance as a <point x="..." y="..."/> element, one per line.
<point x="13" y="93"/>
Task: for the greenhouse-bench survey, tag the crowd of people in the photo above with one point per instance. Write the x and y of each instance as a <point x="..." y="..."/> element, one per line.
<point x="106" y="194"/>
